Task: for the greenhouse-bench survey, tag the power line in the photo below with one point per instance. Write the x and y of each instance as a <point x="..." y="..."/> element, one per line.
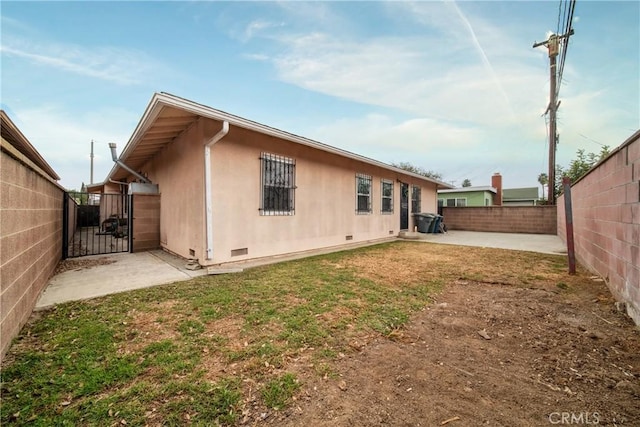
<point x="592" y="140"/>
<point x="568" y="29"/>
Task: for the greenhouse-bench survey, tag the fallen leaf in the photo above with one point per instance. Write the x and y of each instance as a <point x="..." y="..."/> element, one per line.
<point x="483" y="333"/>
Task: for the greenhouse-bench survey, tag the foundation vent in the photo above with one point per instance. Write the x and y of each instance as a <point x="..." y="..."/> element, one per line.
<point x="390" y="232"/>
<point x="238" y="252"/>
<point x="349" y="237"/>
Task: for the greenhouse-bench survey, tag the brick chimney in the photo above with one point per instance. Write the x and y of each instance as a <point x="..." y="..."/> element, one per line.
<point x="496" y="182"/>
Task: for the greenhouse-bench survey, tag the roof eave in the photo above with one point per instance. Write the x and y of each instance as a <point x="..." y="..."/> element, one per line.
<point x="162" y="99"/>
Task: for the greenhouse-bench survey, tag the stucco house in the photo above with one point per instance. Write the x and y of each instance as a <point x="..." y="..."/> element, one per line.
<point x="231" y="189"/>
<point x="486" y="196"/>
<point x="467" y="196"/>
<point x="493" y="195"/>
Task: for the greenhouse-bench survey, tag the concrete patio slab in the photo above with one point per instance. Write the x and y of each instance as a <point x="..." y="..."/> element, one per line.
<point x="543" y="243"/>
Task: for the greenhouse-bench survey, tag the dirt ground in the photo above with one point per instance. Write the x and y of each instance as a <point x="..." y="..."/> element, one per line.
<point x="81" y="264"/>
<point x="488" y="354"/>
<point x="504" y="343"/>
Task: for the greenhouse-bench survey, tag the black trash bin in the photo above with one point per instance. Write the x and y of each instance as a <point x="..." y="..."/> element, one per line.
<point x="423" y="221"/>
<point x="434" y="227"/>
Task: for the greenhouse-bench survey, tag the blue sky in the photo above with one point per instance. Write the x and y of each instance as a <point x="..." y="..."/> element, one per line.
<point x="454" y="87"/>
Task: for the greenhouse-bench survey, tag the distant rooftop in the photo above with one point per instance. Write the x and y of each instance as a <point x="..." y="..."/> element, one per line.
<point x="528" y="193"/>
<point x="468" y="189"/>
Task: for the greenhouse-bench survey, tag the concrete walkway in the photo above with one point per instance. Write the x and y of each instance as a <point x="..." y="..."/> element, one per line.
<point x="113" y="273"/>
<point x="101" y="275"/>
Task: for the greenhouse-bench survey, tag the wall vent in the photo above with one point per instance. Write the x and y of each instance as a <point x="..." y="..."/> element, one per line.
<point x="238" y="252"/>
<point x="192" y="252"/>
<point x="349" y="237"/>
<point x="390" y="232"/>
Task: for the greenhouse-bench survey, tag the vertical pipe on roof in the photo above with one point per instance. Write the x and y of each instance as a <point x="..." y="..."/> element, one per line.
<point x="207" y="186"/>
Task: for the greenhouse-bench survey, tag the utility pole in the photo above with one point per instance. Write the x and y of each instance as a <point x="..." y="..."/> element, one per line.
<point x="553" y="45"/>
<point x="91" y="177"/>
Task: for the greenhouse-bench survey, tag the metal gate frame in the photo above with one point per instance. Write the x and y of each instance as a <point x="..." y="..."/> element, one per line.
<point x="96" y="224"/>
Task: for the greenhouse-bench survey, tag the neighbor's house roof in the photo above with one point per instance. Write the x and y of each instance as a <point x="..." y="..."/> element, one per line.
<point x="469" y="190"/>
<point x="167" y="116"/>
<point x="514" y="194"/>
<point x="19" y="142"/>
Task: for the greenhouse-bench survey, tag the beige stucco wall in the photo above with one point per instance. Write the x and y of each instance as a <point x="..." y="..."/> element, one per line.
<point x="325" y="206"/>
<point x="30" y="241"/>
<point x="179" y="172"/>
<point x="325" y="200"/>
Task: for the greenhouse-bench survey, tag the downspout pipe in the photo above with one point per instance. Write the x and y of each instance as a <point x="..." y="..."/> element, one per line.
<point x="208" y="197"/>
<point x="114" y="156"/>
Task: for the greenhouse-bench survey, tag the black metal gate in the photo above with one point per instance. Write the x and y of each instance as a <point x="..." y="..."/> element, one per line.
<point x="95" y="224"/>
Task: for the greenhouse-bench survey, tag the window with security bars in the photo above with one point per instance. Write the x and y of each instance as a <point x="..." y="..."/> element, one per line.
<point x="278" y="177"/>
<point x="387" y="196"/>
<point x="363" y="194"/>
<point x="416" y="199"/>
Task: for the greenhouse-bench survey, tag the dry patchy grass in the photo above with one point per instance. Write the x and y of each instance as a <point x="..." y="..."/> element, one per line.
<point x="229" y="349"/>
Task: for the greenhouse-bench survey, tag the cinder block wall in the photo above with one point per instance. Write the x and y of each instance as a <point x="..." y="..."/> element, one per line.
<point x="146" y="222"/>
<point x="606" y="222"/>
<point x="30" y="240"/>
<point x="502" y="219"/>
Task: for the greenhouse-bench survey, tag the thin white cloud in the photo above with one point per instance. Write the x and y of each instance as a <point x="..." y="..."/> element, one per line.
<point x="412" y="74"/>
<point x="464" y="88"/>
<point x="122" y="66"/>
<point x="483" y="55"/>
<point x="256" y="27"/>
<point x="256" y="56"/>
<point x="15" y="24"/>
<point x="449" y="71"/>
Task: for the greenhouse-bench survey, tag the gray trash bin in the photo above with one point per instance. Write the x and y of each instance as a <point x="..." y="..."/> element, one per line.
<point x="423" y="221"/>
